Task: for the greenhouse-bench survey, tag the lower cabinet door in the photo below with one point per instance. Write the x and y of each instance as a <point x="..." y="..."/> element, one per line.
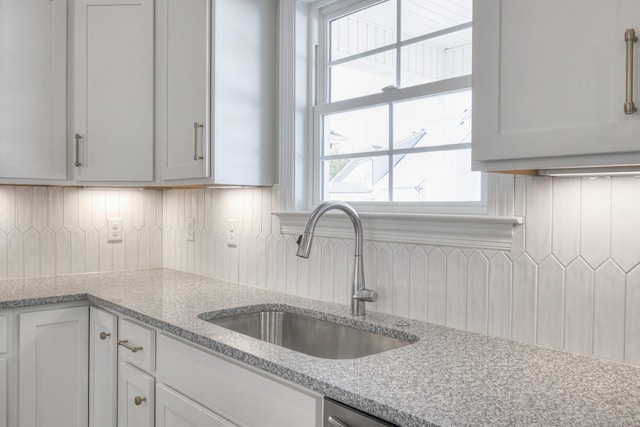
<point x="3" y="393"/>
<point x="54" y="367"/>
<point x="176" y="410"/>
<point x="135" y="397"/>
<point x="103" y="365"/>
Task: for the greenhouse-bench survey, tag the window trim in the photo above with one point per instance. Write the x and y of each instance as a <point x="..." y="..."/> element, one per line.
<point x="492" y="229"/>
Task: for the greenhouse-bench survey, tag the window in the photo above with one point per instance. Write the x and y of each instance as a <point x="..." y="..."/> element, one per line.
<point x="391" y="130"/>
<point x="392" y="119"/>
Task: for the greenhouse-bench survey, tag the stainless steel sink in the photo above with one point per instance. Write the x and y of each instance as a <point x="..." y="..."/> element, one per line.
<point x="315" y="337"/>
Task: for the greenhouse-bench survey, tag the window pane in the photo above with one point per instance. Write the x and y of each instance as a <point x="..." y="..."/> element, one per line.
<point x="443" y="176"/>
<point x="364" y="30"/>
<point x="421" y="17"/>
<point x="436" y="59"/>
<point x="358" y="179"/>
<point x="364" y="76"/>
<point x="356" y="131"/>
<point x="434" y="120"/>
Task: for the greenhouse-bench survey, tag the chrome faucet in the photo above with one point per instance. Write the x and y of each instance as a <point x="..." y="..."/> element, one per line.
<point x="360" y="293"/>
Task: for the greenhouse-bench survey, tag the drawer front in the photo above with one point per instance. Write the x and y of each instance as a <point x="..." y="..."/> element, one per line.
<point x="4" y="333"/>
<point x="136" y="397"/>
<point x="229" y="389"/>
<point x="173" y="409"/>
<point x="137" y="345"/>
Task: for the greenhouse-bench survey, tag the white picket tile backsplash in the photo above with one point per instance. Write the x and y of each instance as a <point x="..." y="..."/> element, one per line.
<point x="595" y="221"/>
<point x="53" y="230"/>
<point x="568" y="283"/>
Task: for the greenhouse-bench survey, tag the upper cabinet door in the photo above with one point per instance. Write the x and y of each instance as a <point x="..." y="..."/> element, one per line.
<point x="112" y="132"/>
<point x="183" y="92"/>
<point x="33" y="54"/>
<point x="216" y="91"/>
<point x="549" y="83"/>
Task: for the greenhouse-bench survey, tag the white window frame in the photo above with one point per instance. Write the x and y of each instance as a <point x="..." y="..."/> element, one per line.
<point x="487" y="225"/>
<point x="322" y="107"/>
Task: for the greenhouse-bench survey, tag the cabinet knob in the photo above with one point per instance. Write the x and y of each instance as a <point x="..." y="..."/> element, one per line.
<point x="138" y="400"/>
<point x="104" y="335"/>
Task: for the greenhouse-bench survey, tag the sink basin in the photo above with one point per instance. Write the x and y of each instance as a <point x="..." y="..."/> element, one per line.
<point x="309" y="335"/>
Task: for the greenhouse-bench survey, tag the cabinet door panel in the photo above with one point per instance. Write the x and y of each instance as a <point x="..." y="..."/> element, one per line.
<point x="103" y="367"/>
<point x="184" y="92"/>
<point x="33" y="36"/>
<point x="53" y="372"/>
<point x="175" y="410"/>
<point x="4" y="378"/>
<point x="113" y="89"/>
<point x="135" y="397"/>
<point x="538" y="93"/>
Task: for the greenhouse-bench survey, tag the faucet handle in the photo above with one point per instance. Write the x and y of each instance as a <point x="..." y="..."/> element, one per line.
<point x="366" y="295"/>
<point x="299" y="239"/>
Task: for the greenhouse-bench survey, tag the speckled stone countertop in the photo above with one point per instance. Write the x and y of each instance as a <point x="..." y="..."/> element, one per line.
<point x="448" y="377"/>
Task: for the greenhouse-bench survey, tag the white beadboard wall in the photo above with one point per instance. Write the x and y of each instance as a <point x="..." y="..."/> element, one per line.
<point x="54" y="230"/>
<point x="571" y="282"/>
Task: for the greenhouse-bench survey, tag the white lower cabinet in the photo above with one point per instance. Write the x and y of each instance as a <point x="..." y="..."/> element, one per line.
<point x="135" y="397"/>
<point x="176" y="410"/>
<point x="103" y="368"/>
<point x="242" y="395"/>
<point x="77" y="366"/>
<point x="4" y="370"/>
<point x="54" y="368"/>
<point x="4" y="383"/>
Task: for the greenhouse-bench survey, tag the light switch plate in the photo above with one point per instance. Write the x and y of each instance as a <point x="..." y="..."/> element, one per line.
<point x="190" y="228"/>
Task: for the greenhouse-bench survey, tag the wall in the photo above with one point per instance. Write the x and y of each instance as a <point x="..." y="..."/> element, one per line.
<point x="54" y="230"/>
<point x="571" y="281"/>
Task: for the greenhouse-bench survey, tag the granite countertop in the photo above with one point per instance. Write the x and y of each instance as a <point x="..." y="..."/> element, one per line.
<point x="448" y="377"/>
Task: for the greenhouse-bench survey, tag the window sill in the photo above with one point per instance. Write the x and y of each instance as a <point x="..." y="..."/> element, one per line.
<point x="466" y="231"/>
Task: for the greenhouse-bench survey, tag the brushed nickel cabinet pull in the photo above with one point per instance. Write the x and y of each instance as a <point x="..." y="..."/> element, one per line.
<point x="336" y="422"/>
<point x="138" y="400"/>
<point x="196" y="125"/>
<point x="77" y="137"/>
<point x="104" y="335"/>
<point x="125" y="344"/>
<point x="630" y="38"/>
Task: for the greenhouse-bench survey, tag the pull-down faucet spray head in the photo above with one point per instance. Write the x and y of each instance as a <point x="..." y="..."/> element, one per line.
<point x="360" y="293"/>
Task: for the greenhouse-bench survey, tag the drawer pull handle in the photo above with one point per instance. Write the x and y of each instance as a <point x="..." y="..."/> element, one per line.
<point x="104" y="335"/>
<point x="138" y="400"/>
<point x="125" y="344"/>
<point x="196" y="125"/>
<point x="336" y="422"/>
<point x="630" y="38"/>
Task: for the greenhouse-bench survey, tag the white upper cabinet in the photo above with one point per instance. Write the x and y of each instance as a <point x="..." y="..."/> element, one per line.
<point x="549" y="84"/>
<point x="33" y="55"/>
<point x="113" y="99"/>
<point x="216" y="91"/>
<point x="183" y="75"/>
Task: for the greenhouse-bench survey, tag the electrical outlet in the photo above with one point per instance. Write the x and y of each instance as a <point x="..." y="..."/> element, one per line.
<point x="190" y="227"/>
<point x="114" y="230"/>
<point x="231" y="233"/>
